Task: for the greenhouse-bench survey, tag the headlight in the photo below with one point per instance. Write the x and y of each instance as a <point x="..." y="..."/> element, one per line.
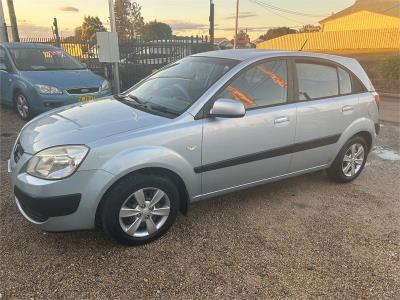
<point x="46" y="89"/>
<point x="57" y="162"/>
<point x="106" y="85"/>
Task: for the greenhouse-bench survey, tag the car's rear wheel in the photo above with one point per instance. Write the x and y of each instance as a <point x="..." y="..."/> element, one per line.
<point x="140" y="208"/>
<point x="350" y="161"/>
<point x="21" y="106"/>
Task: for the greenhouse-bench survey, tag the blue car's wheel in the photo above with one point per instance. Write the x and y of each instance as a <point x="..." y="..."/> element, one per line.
<point x="22" y="107"/>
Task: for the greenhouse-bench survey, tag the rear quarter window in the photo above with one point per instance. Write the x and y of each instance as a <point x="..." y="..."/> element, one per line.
<point x="344" y="82"/>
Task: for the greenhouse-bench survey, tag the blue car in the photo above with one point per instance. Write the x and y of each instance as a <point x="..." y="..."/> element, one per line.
<point x="35" y="78"/>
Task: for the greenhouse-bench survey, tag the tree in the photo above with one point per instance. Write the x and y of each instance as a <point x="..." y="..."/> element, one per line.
<point x="276" y="32"/>
<point x="243" y="36"/>
<point x="309" y="28"/>
<point x="156" y="31"/>
<point x="128" y="18"/>
<point x="89" y="27"/>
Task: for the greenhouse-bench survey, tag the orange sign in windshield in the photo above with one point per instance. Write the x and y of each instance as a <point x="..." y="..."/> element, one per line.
<point x="275" y="78"/>
<point x="241" y="96"/>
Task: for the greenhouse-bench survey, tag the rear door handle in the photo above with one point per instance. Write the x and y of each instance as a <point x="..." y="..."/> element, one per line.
<point x="281" y="120"/>
<point x="347" y="108"/>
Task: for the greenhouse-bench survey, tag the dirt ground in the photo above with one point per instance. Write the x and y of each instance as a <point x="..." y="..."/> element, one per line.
<point x="305" y="237"/>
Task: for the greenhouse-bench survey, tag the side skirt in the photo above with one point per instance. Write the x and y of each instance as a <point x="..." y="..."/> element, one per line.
<point x="258" y="182"/>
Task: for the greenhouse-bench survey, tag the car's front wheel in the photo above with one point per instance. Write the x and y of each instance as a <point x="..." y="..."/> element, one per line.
<point x="140" y="208"/>
<point x="21" y="106"/>
<point x="350" y="161"/>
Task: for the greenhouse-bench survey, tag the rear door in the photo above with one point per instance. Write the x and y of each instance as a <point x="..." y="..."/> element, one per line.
<point x="246" y="150"/>
<point x="325" y="108"/>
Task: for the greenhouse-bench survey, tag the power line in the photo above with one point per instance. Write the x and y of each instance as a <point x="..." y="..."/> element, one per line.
<point x="275" y="13"/>
<point x="287" y="11"/>
<point x="390" y="8"/>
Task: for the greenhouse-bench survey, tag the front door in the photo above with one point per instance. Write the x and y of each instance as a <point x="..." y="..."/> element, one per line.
<point x="5" y="79"/>
<point x="241" y="151"/>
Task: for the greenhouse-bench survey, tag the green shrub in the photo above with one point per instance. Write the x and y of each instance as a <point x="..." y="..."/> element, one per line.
<point x="391" y="68"/>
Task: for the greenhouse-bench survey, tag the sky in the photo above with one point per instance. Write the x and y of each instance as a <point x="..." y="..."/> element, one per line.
<point x="186" y="17"/>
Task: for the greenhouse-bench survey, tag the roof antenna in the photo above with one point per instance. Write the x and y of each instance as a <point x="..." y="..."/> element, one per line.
<point x="302" y="47"/>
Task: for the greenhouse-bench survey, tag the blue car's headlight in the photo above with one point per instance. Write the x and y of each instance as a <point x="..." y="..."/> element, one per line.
<point x="106" y="85"/>
<point x="47" y="89"/>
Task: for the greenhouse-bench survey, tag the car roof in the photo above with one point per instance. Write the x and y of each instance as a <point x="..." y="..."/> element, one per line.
<point x="245" y="54"/>
<point x="28" y="46"/>
<point x="239" y="54"/>
<point x="259" y="54"/>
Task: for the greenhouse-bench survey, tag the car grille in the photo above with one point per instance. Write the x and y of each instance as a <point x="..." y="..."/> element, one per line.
<point x="81" y="91"/>
<point x="18" y="151"/>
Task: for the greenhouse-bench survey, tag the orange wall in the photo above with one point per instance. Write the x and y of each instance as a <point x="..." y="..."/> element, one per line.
<point x="363" y="40"/>
<point x="362" y="20"/>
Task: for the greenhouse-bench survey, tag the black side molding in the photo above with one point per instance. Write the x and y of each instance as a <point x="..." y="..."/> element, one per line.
<point x="269" y="154"/>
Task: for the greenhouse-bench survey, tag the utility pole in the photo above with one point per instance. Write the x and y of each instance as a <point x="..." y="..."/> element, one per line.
<point x="114" y="29"/>
<point x="3" y="25"/>
<point x="211" y="32"/>
<point x="236" y="25"/>
<point x="55" y="32"/>
<point x="13" y="21"/>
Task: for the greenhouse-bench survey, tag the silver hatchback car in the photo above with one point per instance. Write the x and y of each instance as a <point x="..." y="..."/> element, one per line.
<point x="209" y="124"/>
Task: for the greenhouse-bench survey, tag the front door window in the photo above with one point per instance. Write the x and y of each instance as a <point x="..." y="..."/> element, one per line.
<point x="263" y="85"/>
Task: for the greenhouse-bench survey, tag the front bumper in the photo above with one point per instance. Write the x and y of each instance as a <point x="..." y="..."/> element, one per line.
<point x="48" y="102"/>
<point x="59" y="205"/>
<point x="40" y="209"/>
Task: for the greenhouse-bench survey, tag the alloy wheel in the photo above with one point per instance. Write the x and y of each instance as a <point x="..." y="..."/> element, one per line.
<point x="22" y="106"/>
<point x="353" y="160"/>
<point x="144" y="212"/>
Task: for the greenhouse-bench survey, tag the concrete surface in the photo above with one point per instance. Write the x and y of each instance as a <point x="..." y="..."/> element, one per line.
<point x="301" y="238"/>
<point x="390" y="109"/>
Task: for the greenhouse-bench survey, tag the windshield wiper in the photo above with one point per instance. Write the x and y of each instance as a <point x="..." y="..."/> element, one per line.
<point x="136" y="99"/>
<point x="137" y="102"/>
<point x="130" y="98"/>
<point x="162" y="109"/>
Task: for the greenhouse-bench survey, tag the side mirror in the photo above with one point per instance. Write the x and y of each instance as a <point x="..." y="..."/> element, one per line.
<point x="3" y="67"/>
<point x="227" y="108"/>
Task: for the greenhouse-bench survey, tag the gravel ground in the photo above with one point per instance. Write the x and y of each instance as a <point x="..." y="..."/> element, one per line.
<point x="305" y="237"/>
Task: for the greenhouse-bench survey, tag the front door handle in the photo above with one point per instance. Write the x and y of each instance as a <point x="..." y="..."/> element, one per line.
<point x="281" y="120"/>
<point x="347" y="108"/>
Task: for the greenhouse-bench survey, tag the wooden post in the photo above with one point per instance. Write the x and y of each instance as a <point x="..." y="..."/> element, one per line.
<point x="13" y="21"/>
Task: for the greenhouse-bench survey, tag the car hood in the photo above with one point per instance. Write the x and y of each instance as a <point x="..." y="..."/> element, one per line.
<point x="64" y="79"/>
<point x="84" y="123"/>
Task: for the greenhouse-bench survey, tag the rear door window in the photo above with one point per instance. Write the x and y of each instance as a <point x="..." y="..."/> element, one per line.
<point x="317" y="81"/>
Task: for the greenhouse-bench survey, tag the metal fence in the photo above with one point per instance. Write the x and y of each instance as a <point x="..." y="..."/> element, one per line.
<point x="138" y="58"/>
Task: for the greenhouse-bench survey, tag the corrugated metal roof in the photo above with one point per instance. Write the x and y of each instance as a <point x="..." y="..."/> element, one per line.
<point x="386" y="7"/>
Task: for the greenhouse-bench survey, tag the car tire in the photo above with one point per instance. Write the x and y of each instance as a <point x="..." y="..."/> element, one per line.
<point x="350" y="161"/>
<point x="22" y="107"/>
<point x="129" y="215"/>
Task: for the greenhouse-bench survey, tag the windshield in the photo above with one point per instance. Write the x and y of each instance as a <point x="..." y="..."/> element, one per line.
<point x="33" y="59"/>
<point x="179" y="85"/>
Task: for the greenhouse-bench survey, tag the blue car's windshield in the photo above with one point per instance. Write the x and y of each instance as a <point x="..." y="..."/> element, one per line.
<point x="179" y="85"/>
<point x="34" y="59"/>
